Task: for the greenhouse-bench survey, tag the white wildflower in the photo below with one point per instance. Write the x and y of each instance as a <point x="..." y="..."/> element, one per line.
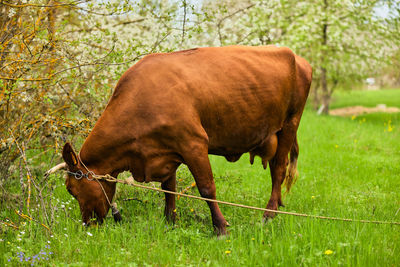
<point x="11" y="12"/>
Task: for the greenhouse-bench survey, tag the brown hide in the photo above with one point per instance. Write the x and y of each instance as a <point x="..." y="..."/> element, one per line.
<point x="179" y="107"/>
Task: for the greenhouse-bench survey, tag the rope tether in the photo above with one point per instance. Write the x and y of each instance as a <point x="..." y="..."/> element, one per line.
<point x="117" y="216"/>
<point x="109" y="178"/>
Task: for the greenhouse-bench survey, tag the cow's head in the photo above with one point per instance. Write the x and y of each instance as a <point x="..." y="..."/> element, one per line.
<point x="88" y="191"/>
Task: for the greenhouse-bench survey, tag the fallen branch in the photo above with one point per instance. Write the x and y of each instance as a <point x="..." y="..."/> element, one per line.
<point x="11" y="224"/>
<point x="26" y="217"/>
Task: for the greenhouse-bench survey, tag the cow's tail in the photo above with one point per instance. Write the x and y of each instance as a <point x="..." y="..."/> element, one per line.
<point x="291" y="172"/>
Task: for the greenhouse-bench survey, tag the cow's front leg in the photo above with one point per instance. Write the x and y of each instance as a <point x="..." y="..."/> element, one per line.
<point x="169" y="210"/>
<point x="199" y="165"/>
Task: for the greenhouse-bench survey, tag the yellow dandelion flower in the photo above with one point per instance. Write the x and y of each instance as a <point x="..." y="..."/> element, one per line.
<point x="312" y="197"/>
<point x="228" y="241"/>
<point x="228" y="252"/>
<point x="389" y="126"/>
<point x="353" y="117"/>
<point x="174" y="210"/>
<point x="192" y="210"/>
<point x="253" y="238"/>
<point x="336" y="146"/>
<point x="328" y="252"/>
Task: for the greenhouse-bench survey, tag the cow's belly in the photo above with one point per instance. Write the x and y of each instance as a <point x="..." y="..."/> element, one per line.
<point x="238" y="120"/>
<point x="237" y="140"/>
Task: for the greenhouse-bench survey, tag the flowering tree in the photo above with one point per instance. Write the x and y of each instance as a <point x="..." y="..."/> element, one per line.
<point x="60" y="59"/>
<point x="59" y="62"/>
<point x="345" y="41"/>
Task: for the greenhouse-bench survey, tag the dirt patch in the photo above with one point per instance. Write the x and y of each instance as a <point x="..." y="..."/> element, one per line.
<point x="360" y="110"/>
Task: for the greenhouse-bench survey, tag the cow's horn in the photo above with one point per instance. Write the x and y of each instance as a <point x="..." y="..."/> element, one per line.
<point x="58" y="167"/>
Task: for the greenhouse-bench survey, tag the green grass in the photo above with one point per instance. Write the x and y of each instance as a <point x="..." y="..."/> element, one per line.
<point x="343" y="98"/>
<point x="348" y="168"/>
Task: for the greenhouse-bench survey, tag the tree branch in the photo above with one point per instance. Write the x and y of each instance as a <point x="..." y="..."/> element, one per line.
<point x="184" y="21"/>
<point x="219" y="24"/>
<point x="39" y="6"/>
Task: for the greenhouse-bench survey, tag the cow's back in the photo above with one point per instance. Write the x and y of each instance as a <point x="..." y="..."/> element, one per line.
<point x="233" y="96"/>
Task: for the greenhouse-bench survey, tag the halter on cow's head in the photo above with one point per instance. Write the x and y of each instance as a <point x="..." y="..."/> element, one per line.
<point x="93" y="195"/>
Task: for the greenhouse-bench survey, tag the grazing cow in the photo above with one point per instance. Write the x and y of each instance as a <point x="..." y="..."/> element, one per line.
<point x="173" y="108"/>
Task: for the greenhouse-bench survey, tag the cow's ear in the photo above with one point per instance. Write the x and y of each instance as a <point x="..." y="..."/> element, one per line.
<point x="69" y="155"/>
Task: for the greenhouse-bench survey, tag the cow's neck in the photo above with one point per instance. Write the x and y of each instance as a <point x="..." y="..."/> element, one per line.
<point x="103" y="156"/>
<point x="106" y="148"/>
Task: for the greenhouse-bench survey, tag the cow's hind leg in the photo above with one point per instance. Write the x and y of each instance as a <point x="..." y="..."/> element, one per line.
<point x="199" y="165"/>
<point x="170" y="185"/>
<point x="278" y="165"/>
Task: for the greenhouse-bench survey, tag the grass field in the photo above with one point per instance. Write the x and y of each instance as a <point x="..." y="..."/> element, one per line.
<point x="346" y="98"/>
<point x="349" y="167"/>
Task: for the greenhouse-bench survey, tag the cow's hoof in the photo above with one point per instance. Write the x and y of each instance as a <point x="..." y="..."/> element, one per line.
<point x="221" y="230"/>
<point x="171" y="219"/>
<point x="268" y="216"/>
<point x="223" y="237"/>
<point x="221" y="233"/>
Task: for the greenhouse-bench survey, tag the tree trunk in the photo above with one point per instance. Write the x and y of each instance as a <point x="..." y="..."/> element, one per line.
<point x="326" y="96"/>
<point x="316" y="98"/>
<point x="51" y="33"/>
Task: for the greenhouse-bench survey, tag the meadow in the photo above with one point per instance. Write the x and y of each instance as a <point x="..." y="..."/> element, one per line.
<point x="348" y="167"/>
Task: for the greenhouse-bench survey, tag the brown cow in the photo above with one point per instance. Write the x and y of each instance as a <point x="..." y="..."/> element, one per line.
<point x="179" y="107"/>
